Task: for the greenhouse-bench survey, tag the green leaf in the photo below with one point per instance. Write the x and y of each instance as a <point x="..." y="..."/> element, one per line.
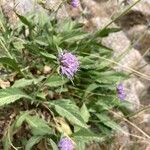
<point x="32" y="141"/>
<point x="38" y="125"/>
<point x="48" y="55"/>
<point x="11" y="95"/>
<point x="80" y="145"/>
<point x="18" y="45"/>
<point x="21" y="118"/>
<point x="108" y="122"/>
<point x="106" y="31"/>
<point x="90" y="88"/>
<point x="85" y="113"/>
<point x="69" y="110"/>
<point x="55" y="81"/>
<point x="75" y="36"/>
<point x="9" y="62"/>
<point x="25" y="21"/>
<point x="26" y="82"/>
<point x="40" y="42"/>
<point x="32" y="48"/>
<point x="103" y="105"/>
<point x="53" y="144"/>
<point x="22" y="83"/>
<point x="86" y="136"/>
<point x="110" y="77"/>
<point x="67" y="25"/>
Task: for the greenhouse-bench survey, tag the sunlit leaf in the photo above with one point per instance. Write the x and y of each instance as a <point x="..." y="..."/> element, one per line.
<point x="26" y="82"/>
<point x="55" y="81"/>
<point x="85" y="113"/>
<point x="69" y="110"/>
<point x="38" y="125"/>
<point x="32" y="141"/>
<point x="11" y="95"/>
<point x="87" y="136"/>
<point x="108" y="122"/>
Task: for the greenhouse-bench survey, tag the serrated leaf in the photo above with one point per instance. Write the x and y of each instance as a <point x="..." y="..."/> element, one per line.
<point x="38" y="125"/>
<point x="69" y="110"/>
<point x="23" y="82"/>
<point x="110" y="77"/>
<point x="48" y="55"/>
<point x="26" y="82"/>
<point x="55" y="81"/>
<point x="87" y="136"/>
<point x="32" y="141"/>
<point x="108" y="122"/>
<point x="103" y="105"/>
<point x="85" y="113"/>
<point x="11" y="95"/>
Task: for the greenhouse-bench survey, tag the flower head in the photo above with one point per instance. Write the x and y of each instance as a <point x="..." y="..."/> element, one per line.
<point x="75" y="3"/>
<point x="120" y="91"/>
<point x="69" y="64"/>
<point x="65" y="144"/>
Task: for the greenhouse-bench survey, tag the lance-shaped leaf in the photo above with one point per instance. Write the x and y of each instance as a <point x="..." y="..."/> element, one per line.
<point x="87" y="136"/>
<point x="38" y="125"/>
<point x="32" y="141"/>
<point x="85" y="113"/>
<point x="69" y="110"/>
<point x="11" y="95"/>
<point x="55" y="81"/>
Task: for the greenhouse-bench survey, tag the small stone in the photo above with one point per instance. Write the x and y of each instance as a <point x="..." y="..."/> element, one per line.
<point x="4" y="84"/>
<point x="47" y="69"/>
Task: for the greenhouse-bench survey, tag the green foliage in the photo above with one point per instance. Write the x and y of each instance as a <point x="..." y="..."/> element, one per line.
<point x="9" y="62"/>
<point x="87" y="136"/>
<point x="106" y="31"/>
<point x="55" y="81"/>
<point x="38" y="126"/>
<point x="11" y="95"/>
<point x="32" y="141"/>
<point x="70" y="111"/>
<point x="55" y="106"/>
<point x="85" y="113"/>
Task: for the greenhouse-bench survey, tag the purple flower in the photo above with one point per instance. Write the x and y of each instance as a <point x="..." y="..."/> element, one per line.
<point x="69" y="64"/>
<point x="75" y="3"/>
<point x="120" y="91"/>
<point x="65" y="144"/>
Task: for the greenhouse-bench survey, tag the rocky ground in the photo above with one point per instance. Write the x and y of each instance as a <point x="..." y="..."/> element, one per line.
<point x="133" y="41"/>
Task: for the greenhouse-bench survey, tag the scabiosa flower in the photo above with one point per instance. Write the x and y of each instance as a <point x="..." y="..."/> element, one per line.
<point x="65" y="144"/>
<point x="75" y="3"/>
<point x="69" y="64"/>
<point x="120" y="90"/>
